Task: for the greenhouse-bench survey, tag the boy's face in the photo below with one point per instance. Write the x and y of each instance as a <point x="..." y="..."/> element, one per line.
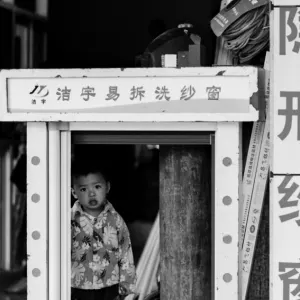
<point x="91" y="191"/>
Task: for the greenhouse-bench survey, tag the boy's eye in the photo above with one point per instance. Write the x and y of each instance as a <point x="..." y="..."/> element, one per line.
<point x="98" y="186"/>
<point x="82" y="189"/>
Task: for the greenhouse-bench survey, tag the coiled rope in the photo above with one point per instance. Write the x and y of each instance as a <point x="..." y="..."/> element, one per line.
<point x="248" y="35"/>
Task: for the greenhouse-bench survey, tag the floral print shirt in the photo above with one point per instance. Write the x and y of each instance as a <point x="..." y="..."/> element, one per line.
<point x="101" y="251"/>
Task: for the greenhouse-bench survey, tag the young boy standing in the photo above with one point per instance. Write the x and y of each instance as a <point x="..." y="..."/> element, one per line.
<point x="102" y="259"/>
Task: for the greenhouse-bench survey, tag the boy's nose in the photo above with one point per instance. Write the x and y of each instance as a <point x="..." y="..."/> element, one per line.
<point x="92" y="193"/>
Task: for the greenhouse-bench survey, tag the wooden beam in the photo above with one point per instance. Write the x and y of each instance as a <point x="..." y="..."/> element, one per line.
<point x="185" y="228"/>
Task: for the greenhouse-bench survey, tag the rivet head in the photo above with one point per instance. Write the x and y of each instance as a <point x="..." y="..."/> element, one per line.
<point x="36" y="272"/>
<point x="227" y="239"/>
<point x="36" y="235"/>
<point x="227" y="200"/>
<point x="35" y="160"/>
<point x="227" y="161"/>
<point x="227" y="277"/>
<point x="35" y="198"/>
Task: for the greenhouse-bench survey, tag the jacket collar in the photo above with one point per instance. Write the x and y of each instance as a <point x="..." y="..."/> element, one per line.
<point x="77" y="210"/>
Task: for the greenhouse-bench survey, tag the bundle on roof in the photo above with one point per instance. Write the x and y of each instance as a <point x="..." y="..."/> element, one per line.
<point x="244" y="25"/>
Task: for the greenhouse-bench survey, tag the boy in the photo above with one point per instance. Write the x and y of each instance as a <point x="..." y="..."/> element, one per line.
<point x="102" y="260"/>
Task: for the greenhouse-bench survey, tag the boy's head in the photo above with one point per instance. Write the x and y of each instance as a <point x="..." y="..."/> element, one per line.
<point x="90" y="185"/>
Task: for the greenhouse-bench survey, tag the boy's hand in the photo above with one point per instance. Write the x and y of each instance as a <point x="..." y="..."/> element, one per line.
<point x="132" y="297"/>
<point x="127" y="297"/>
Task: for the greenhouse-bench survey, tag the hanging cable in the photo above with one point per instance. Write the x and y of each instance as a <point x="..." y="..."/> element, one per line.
<point x="248" y="35"/>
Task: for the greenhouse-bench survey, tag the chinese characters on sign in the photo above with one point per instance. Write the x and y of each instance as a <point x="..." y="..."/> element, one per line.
<point x="285" y="184"/>
<point x="290" y="279"/>
<point x="289" y="112"/>
<point x="162" y="93"/>
<point x="289" y="23"/>
<point x="187" y="93"/>
<point x="64" y="94"/>
<point x="87" y="92"/>
<point x="263" y="171"/>
<point x="250" y="242"/>
<point x="136" y="92"/>
<point x="250" y="169"/>
<point x="285" y="202"/>
<point x="113" y="93"/>
<point x="213" y="92"/>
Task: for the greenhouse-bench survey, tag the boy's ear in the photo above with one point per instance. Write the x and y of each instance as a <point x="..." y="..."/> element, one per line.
<point x="73" y="193"/>
<point x="108" y="187"/>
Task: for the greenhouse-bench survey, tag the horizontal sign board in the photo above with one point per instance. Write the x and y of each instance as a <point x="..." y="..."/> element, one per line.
<point x="204" y="94"/>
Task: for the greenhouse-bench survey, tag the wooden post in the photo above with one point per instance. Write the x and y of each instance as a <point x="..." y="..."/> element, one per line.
<point x="185" y="222"/>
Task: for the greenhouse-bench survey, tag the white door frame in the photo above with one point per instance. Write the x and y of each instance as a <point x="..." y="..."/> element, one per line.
<point x="6" y="189"/>
<point x="48" y="161"/>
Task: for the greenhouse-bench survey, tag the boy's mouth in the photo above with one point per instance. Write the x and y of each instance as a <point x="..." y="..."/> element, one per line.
<point x="93" y="202"/>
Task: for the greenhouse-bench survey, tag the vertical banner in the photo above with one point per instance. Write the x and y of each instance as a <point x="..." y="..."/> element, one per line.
<point x="286" y="89"/>
<point x="285" y="238"/>
<point x="285" y="162"/>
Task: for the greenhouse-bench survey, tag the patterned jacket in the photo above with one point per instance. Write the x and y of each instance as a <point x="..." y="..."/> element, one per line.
<point x="101" y="251"/>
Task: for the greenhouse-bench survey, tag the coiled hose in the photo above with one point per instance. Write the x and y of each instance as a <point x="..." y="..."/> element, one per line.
<point x="248" y="35"/>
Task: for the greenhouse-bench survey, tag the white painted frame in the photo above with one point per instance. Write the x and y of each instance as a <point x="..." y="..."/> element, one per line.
<point x="50" y="217"/>
<point x="38" y="219"/>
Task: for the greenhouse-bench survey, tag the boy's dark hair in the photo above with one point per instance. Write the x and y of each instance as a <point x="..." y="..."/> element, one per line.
<point x="85" y="167"/>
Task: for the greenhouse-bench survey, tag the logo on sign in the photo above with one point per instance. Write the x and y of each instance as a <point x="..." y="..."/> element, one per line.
<point x="39" y="91"/>
<point x="213" y="92"/>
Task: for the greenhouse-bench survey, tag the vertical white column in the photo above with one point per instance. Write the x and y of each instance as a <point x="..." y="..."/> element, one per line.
<point x="54" y="212"/>
<point x="37" y="210"/>
<point x="226" y="212"/>
<point x="65" y="215"/>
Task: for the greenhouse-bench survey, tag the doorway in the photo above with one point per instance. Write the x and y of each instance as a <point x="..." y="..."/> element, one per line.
<point x="133" y="159"/>
<point x="123" y="143"/>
